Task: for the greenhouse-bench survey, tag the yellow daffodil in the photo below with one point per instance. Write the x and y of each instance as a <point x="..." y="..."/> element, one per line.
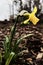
<point x="31" y="17"/>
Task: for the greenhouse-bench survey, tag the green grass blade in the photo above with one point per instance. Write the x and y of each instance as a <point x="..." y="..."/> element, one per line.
<point x="9" y="58"/>
<point x="0" y="58"/>
<point x="6" y="47"/>
<point x="20" y="39"/>
<point x="16" y="48"/>
<point x="13" y="30"/>
<point x="6" y="43"/>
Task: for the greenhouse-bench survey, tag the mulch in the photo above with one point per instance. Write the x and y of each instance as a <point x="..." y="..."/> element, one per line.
<point x="32" y="46"/>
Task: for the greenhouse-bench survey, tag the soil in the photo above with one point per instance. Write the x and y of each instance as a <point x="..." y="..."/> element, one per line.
<point x="32" y="46"/>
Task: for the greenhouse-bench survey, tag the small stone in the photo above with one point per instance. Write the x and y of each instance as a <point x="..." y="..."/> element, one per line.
<point x="27" y="32"/>
<point x="0" y="32"/>
<point x="17" y="34"/>
<point x="8" y="29"/>
<point x="39" y="56"/>
<point x="30" y="31"/>
<point x="42" y="42"/>
<point x="37" y="32"/>
<point x="40" y="34"/>
<point x="29" y="59"/>
<point x="7" y="33"/>
<point x="41" y="38"/>
<point x="41" y="49"/>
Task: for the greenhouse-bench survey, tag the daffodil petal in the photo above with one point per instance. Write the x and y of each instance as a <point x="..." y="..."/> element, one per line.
<point x="31" y="17"/>
<point x="34" y="19"/>
<point x="26" y="21"/>
<point x="26" y="14"/>
<point x="35" y="10"/>
<point x="22" y="12"/>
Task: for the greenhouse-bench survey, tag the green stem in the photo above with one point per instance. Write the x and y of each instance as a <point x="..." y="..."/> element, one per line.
<point x="13" y="33"/>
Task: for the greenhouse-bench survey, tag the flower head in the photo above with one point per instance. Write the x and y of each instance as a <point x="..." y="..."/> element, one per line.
<point x="31" y="17"/>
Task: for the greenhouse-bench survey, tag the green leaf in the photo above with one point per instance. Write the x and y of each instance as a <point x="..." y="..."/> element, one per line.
<point x="20" y="39"/>
<point x="16" y="48"/>
<point x="13" y="29"/>
<point x="9" y="58"/>
<point x="0" y="58"/>
<point x="6" y="43"/>
<point x="6" y="47"/>
<point x="12" y="34"/>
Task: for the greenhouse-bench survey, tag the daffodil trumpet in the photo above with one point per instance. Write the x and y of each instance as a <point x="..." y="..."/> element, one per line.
<point x="31" y="17"/>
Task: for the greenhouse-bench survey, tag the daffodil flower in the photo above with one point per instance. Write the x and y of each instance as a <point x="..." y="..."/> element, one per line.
<point x="31" y="16"/>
